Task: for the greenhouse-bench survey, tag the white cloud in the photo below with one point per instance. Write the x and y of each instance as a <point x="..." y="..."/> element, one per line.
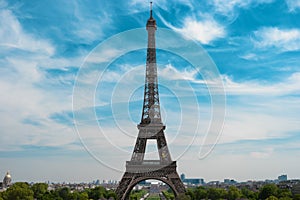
<point x="12" y="35"/>
<point x="261" y="121"/>
<point x="171" y="73"/>
<point x="204" y="31"/>
<point x="293" y="5"/>
<point x="258" y="113"/>
<point x="262" y="154"/>
<point x="23" y="99"/>
<point x="261" y="117"/>
<point x="103" y="55"/>
<point x="282" y="39"/>
<point x="227" y="7"/>
<point x="289" y="86"/>
<point x="250" y="56"/>
<point x="89" y="29"/>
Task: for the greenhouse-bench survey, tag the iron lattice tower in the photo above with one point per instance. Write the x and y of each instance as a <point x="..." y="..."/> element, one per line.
<point x="150" y="128"/>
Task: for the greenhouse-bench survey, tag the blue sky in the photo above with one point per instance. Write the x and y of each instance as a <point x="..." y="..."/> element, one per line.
<point x="71" y="87"/>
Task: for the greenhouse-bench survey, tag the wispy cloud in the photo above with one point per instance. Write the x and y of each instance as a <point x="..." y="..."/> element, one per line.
<point x="289" y="86"/>
<point x="103" y="56"/>
<point x="28" y="97"/>
<point x="12" y="35"/>
<point x="293" y="5"/>
<point x="262" y="154"/>
<point x="274" y="37"/>
<point x="89" y="29"/>
<point x="250" y="56"/>
<point x="227" y="7"/>
<point x="205" y="31"/>
<point x="171" y="73"/>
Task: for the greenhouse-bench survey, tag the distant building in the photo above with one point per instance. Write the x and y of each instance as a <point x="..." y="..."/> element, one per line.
<point x="192" y="181"/>
<point x="182" y="177"/>
<point x="154" y="188"/>
<point x="143" y="182"/>
<point x="282" y="178"/>
<point x="6" y="180"/>
<point x="230" y="182"/>
<point x="213" y="183"/>
<point x="97" y="182"/>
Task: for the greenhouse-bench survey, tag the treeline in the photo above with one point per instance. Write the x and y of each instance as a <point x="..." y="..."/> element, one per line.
<point x="269" y="192"/>
<point x="39" y="191"/>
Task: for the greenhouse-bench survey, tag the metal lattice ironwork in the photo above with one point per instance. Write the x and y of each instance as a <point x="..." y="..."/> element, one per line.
<point x="150" y="128"/>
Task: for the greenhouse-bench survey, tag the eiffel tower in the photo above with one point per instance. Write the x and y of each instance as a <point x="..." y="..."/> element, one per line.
<point x="150" y="128"/>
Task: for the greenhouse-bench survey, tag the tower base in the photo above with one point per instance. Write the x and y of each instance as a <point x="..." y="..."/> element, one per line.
<point x="149" y="170"/>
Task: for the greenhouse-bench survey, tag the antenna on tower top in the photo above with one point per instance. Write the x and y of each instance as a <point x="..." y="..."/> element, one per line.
<point x="150" y="9"/>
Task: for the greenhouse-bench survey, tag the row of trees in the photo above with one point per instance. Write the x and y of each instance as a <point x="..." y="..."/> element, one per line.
<point x="269" y="191"/>
<point x="39" y="191"/>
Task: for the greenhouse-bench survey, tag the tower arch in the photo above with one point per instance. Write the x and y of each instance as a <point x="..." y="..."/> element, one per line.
<point x="138" y="180"/>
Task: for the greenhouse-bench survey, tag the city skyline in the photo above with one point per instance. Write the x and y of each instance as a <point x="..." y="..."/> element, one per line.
<point x="50" y="49"/>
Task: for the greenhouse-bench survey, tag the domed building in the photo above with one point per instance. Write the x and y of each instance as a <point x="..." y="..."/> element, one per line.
<point x="6" y="180"/>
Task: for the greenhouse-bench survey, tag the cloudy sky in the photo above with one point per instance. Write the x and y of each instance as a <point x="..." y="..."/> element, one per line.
<point x="71" y="87"/>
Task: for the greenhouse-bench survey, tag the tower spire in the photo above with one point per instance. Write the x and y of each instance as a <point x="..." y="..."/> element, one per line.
<point x="151" y="9"/>
<point x="151" y="107"/>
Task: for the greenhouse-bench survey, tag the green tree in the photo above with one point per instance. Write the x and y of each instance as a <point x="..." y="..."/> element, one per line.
<point x="78" y="196"/>
<point x="84" y="196"/>
<point x="50" y="195"/>
<point x="200" y="193"/>
<point x="249" y="194"/>
<point x="19" y="191"/>
<point x="168" y="195"/>
<point x="296" y="197"/>
<point x="183" y="197"/>
<point x="137" y="194"/>
<point x="233" y="193"/>
<point x="285" y="198"/>
<point x="39" y="189"/>
<point x="97" y="193"/>
<point x="272" y="198"/>
<point x="112" y="194"/>
<point x="267" y="191"/>
<point x="191" y="193"/>
<point x="284" y="193"/>
<point x="64" y="193"/>
<point x="216" y="193"/>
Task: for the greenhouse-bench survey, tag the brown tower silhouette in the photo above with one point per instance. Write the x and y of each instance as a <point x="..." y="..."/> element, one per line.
<point x="150" y="128"/>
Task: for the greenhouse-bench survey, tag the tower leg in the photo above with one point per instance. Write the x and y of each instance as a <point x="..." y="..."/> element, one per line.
<point x="168" y="175"/>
